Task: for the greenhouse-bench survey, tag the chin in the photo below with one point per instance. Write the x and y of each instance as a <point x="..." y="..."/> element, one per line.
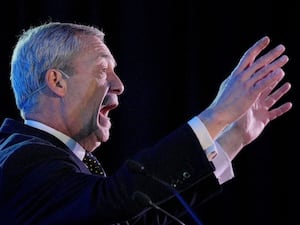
<point x="97" y="144"/>
<point x="104" y="138"/>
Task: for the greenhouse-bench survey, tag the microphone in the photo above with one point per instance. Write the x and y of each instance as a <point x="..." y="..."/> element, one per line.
<point x="145" y="200"/>
<point x="138" y="168"/>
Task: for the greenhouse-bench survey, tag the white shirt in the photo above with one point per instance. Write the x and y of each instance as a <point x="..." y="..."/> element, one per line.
<point x="213" y="150"/>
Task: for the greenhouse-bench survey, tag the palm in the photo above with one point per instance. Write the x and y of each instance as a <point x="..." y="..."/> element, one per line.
<point x="253" y="122"/>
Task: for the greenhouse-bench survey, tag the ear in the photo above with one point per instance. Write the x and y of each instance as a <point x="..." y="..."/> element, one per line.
<point x="56" y="82"/>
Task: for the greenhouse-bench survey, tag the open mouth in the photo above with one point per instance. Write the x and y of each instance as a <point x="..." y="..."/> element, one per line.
<point x="109" y="103"/>
<point x="106" y="109"/>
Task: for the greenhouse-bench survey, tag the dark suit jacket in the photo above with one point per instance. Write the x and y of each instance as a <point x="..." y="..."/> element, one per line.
<point x="43" y="183"/>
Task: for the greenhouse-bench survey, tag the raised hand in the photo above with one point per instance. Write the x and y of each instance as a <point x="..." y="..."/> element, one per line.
<point x="247" y="128"/>
<point x="250" y="80"/>
<point x="252" y="123"/>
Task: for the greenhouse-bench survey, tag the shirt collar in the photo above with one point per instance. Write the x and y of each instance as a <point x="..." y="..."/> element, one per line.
<point x="76" y="148"/>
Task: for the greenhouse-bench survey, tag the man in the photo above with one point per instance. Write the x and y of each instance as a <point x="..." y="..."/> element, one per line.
<point x="59" y="69"/>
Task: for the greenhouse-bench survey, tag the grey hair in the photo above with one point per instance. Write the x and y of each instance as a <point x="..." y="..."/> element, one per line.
<point x="40" y="48"/>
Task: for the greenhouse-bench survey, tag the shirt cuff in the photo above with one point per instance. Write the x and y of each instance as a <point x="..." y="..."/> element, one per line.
<point x="222" y="163"/>
<point x="206" y="142"/>
<point x="214" y="152"/>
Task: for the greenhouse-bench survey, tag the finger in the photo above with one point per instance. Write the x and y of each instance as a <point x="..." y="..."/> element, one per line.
<point x="275" y="113"/>
<point x="266" y="82"/>
<point x="277" y="64"/>
<point x="250" y="55"/>
<point x="266" y="59"/>
<point x="270" y="70"/>
<point x="269" y="89"/>
<point x="278" y="94"/>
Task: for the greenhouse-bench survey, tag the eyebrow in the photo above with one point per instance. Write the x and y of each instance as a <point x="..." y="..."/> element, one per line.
<point x="109" y="57"/>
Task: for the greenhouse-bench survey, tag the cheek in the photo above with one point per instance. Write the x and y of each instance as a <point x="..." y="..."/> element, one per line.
<point x="93" y="100"/>
<point x="93" y="92"/>
<point x="88" y="95"/>
<point x="81" y="102"/>
<point x="101" y="90"/>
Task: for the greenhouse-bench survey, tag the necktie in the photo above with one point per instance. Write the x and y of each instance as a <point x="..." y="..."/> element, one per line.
<point x="93" y="164"/>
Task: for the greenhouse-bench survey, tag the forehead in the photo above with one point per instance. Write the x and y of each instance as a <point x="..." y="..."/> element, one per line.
<point x="95" y="49"/>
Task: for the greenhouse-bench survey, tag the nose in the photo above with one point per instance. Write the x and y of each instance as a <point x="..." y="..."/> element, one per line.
<point x="116" y="85"/>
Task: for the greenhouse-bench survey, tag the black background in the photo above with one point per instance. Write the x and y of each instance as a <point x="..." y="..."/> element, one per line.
<point x="172" y="56"/>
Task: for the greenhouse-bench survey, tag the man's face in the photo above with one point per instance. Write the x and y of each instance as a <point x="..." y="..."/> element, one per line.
<point x="92" y="92"/>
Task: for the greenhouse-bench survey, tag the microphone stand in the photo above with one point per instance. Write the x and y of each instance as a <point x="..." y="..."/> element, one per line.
<point x="145" y="199"/>
<point x="140" y="169"/>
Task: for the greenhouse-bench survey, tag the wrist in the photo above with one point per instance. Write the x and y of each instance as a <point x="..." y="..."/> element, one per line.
<point x="213" y="122"/>
<point x="231" y="141"/>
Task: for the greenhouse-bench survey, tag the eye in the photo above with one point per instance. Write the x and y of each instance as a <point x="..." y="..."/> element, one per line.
<point x="103" y="73"/>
